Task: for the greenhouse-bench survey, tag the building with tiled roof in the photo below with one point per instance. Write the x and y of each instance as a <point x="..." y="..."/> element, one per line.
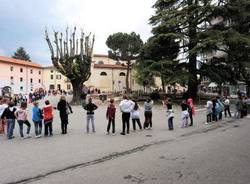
<point x="20" y="76"/>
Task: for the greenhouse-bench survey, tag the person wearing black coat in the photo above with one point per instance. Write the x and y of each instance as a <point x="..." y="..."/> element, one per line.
<point x="64" y="110"/>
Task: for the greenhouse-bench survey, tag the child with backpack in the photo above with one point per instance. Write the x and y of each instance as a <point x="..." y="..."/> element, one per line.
<point x="48" y="119"/>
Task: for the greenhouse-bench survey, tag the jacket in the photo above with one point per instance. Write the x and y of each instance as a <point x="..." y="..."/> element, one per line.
<point x="48" y="112"/>
<point x="90" y="108"/>
<point x="110" y="114"/>
<point x="36" y="114"/>
<point x="9" y="113"/>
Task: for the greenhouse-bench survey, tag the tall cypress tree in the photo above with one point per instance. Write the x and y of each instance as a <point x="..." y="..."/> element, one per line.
<point x="184" y="19"/>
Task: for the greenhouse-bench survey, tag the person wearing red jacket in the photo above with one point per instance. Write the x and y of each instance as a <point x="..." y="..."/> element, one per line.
<point x="48" y="118"/>
<point x="110" y="115"/>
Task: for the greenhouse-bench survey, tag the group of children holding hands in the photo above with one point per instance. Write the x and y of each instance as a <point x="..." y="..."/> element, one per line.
<point x="130" y="109"/>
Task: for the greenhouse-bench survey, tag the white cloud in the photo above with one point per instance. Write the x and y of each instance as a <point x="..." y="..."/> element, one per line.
<point x="106" y="17"/>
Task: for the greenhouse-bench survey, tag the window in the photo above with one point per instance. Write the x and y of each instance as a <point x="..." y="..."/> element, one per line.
<point x="21" y="79"/>
<point x="122" y="74"/>
<point x="31" y="71"/>
<point x="52" y="86"/>
<point x="51" y="71"/>
<point x="31" y="80"/>
<point x="11" y="68"/>
<point x="21" y="88"/>
<point x="39" y="72"/>
<point x="21" y="70"/>
<point x="68" y="86"/>
<point x="11" y="80"/>
<point x="58" y="77"/>
<point x="103" y="74"/>
<point x="51" y="77"/>
<point x="39" y="80"/>
<point x="100" y="62"/>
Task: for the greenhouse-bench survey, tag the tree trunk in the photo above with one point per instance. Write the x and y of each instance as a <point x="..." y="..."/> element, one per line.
<point x="220" y="89"/>
<point x="163" y="85"/>
<point x="77" y="92"/>
<point x="248" y="88"/>
<point x="192" y="34"/>
<point x="127" y="77"/>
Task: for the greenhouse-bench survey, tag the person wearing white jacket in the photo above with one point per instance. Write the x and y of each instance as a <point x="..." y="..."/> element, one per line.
<point x="126" y="107"/>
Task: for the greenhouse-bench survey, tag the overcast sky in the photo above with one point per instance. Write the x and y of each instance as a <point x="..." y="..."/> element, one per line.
<point x="23" y="22"/>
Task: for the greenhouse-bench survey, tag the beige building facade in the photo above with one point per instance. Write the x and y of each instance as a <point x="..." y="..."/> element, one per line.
<point x="106" y="74"/>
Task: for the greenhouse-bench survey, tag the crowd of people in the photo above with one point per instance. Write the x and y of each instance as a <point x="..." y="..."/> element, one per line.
<point x="130" y="109"/>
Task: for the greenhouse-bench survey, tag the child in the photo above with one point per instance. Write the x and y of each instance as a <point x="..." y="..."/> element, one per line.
<point x="9" y="116"/>
<point x="135" y="114"/>
<point x="90" y="108"/>
<point x="48" y="118"/>
<point x="148" y="105"/>
<point x="184" y="114"/>
<point x="21" y="116"/>
<point x="170" y="114"/>
<point x="191" y="110"/>
<point x="209" y="111"/>
<point x="37" y="117"/>
<point x="110" y="115"/>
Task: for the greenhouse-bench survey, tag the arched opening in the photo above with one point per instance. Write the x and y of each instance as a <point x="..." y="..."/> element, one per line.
<point x="100" y="62"/>
<point x="103" y="74"/>
<point x="122" y="74"/>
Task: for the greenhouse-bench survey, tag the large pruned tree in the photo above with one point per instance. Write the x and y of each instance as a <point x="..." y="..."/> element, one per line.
<point x="21" y="54"/>
<point x="124" y="47"/>
<point x="72" y="57"/>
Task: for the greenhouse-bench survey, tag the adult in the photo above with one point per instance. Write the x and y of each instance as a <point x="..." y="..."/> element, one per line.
<point x="238" y="107"/>
<point x="90" y="108"/>
<point x="64" y="109"/>
<point x="126" y="107"/>
<point x="148" y="106"/>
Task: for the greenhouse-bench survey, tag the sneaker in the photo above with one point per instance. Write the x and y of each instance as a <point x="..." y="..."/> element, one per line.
<point x="206" y="123"/>
<point x="113" y="134"/>
<point x="107" y="133"/>
<point x="38" y="136"/>
<point x="28" y="136"/>
<point x="122" y="133"/>
<point x="50" y="135"/>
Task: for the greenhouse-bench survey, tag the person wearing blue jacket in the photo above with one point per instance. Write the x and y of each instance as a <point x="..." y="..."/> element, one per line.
<point x="37" y="117"/>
